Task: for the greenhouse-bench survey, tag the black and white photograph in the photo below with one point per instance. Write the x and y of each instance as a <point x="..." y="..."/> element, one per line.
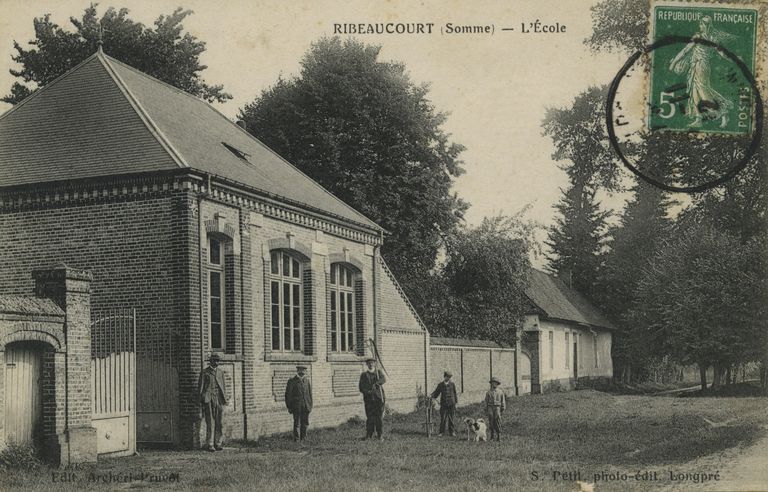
<point x="384" y="245"/>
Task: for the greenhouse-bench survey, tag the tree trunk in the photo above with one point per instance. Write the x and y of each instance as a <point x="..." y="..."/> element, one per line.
<point x="703" y="375"/>
<point x="728" y="375"/>
<point x="717" y="376"/>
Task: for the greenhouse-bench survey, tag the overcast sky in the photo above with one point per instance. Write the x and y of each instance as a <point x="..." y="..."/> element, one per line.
<point x="495" y="87"/>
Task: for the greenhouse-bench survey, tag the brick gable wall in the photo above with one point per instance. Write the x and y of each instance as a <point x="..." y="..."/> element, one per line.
<point x="139" y="248"/>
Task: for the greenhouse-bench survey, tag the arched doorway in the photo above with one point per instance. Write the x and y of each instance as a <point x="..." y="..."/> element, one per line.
<point x="23" y="392"/>
<point x="525" y="373"/>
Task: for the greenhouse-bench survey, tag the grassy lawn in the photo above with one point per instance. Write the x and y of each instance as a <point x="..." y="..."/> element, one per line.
<point x="585" y="431"/>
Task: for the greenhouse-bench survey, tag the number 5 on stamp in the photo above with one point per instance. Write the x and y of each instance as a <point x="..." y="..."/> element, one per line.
<point x="695" y="84"/>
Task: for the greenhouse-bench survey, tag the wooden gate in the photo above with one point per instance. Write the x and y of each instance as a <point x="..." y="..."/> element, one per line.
<point x="23" y="393"/>
<point x="113" y="381"/>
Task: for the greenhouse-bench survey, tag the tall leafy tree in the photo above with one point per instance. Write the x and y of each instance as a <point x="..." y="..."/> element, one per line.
<point x="581" y="145"/>
<point x="484" y="276"/>
<point x="701" y="299"/>
<point x="644" y="222"/>
<point x="165" y="51"/>
<point x="576" y="240"/>
<point x="361" y="128"/>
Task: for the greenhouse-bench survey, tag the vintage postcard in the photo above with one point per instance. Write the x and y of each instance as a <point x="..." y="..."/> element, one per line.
<point x="436" y="245"/>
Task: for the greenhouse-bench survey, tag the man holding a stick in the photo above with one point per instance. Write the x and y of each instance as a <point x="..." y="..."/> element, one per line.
<point x="373" y="397"/>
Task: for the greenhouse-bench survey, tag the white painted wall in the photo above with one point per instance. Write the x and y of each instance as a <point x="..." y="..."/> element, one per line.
<point x="594" y="351"/>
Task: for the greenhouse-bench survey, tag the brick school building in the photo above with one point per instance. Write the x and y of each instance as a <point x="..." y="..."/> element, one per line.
<point x="217" y="243"/>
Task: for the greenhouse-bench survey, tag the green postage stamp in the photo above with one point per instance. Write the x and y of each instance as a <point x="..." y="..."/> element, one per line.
<point x="696" y="84"/>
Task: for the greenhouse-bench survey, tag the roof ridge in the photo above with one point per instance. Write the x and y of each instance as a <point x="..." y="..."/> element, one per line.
<point x="48" y="85"/>
<point x="154" y="130"/>
<point x="219" y="113"/>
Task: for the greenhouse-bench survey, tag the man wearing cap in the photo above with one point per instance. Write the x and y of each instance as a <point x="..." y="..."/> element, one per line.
<point x="212" y="389"/>
<point x="495" y="404"/>
<point x="446" y="389"/>
<point x="373" y="396"/>
<point x="298" y="399"/>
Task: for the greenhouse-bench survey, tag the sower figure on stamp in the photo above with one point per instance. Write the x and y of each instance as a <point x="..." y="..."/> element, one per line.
<point x="446" y="389"/>
<point x="373" y="397"/>
<point x="495" y="404"/>
<point x="298" y="399"/>
<point x="212" y="389"/>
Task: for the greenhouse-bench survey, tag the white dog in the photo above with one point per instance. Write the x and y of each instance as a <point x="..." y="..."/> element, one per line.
<point x="475" y="429"/>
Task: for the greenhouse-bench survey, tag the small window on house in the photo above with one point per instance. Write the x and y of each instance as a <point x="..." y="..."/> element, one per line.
<point x="237" y="152"/>
<point x="286" y="302"/>
<point x="342" y="302"/>
<point x="567" y="350"/>
<point x="551" y="350"/>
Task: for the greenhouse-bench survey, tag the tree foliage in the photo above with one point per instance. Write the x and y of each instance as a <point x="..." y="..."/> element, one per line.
<point x="361" y="128"/>
<point x="164" y="52"/>
<point x="702" y="298"/>
<point x="581" y="145"/>
<point x="576" y="240"/>
<point x="581" y="140"/>
<point x="483" y="280"/>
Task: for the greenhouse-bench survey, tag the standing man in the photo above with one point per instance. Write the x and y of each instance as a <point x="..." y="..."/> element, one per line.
<point x="495" y="404"/>
<point x="446" y="389"/>
<point x="373" y="396"/>
<point x="212" y="390"/>
<point x="298" y="399"/>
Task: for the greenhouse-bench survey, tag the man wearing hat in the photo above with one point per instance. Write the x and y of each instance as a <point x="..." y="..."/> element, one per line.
<point x="212" y="389"/>
<point x="495" y="404"/>
<point x="446" y="389"/>
<point x="373" y="397"/>
<point x="298" y="399"/>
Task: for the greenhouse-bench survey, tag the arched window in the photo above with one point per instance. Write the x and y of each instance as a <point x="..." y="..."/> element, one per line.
<point x="285" y="281"/>
<point x="216" y="290"/>
<point x="342" y="305"/>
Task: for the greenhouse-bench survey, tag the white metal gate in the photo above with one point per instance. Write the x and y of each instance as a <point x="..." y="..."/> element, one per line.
<point x="113" y="381"/>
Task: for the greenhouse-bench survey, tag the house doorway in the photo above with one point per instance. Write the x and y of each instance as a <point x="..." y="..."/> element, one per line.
<point x="575" y="359"/>
<point x="23" y="392"/>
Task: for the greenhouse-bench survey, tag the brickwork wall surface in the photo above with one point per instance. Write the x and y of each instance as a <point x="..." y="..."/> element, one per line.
<point x="403" y="356"/>
<point x="138" y="249"/>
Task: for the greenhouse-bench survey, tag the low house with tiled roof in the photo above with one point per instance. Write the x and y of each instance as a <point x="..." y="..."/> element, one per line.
<point x="564" y="337"/>
<point x="216" y="242"/>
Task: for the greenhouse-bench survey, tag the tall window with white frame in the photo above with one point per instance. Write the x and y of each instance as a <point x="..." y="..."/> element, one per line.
<point x="567" y="350"/>
<point x="286" y="301"/>
<point x="342" y="303"/>
<point x="216" y="280"/>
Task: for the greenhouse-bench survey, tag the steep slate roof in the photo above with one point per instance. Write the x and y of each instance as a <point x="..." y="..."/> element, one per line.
<point x="549" y="294"/>
<point x="106" y="118"/>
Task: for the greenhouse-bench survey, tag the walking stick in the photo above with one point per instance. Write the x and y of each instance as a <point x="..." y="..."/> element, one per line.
<point x="429" y="418"/>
